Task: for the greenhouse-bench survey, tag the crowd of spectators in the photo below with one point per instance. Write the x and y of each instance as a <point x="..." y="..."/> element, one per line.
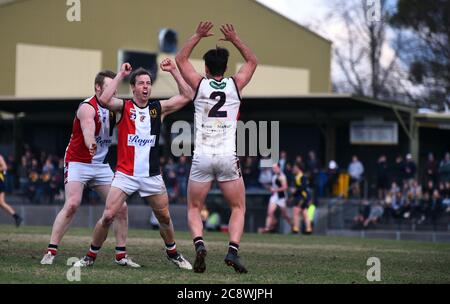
<point x="39" y="177"/>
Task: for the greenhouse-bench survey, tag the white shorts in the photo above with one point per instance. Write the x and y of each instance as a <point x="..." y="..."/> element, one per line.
<point x="88" y="174"/>
<point x="206" y="168"/>
<point x="147" y="186"/>
<point x="280" y="202"/>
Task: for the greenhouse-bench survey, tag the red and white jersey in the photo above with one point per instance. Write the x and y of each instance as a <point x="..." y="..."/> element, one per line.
<point x="216" y="113"/>
<point x="138" y="139"/>
<point x="104" y="123"/>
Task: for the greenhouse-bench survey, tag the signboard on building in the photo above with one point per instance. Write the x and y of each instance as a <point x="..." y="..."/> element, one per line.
<point x="373" y="132"/>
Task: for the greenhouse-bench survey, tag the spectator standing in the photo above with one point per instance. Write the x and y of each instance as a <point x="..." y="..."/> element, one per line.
<point x="444" y="168"/>
<point x="332" y="176"/>
<point x="410" y="169"/>
<point x="355" y="170"/>
<point x="398" y="170"/>
<point x="431" y="169"/>
<point x="312" y="170"/>
<point x="283" y="161"/>
<point x="382" y="177"/>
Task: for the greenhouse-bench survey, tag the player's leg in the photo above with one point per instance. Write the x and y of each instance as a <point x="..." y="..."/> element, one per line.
<point x="306" y="219"/>
<point x="271" y="208"/>
<point x="234" y="193"/>
<point x="10" y="210"/>
<point x="120" y="228"/>
<point x="114" y="202"/>
<point x="286" y="216"/>
<point x="296" y="219"/>
<point x="160" y="206"/>
<point x="196" y="195"/>
<point x="73" y="192"/>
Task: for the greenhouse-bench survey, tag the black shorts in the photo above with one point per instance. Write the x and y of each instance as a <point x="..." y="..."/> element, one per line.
<point x="302" y="202"/>
<point x="2" y="186"/>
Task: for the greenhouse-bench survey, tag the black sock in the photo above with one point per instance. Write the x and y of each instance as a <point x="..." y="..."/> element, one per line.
<point x="198" y="241"/>
<point x="15" y="216"/>
<point x="233" y="248"/>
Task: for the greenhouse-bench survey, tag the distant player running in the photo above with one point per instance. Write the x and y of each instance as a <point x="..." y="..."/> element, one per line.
<point x="3" y="204"/>
<point x="277" y="199"/>
<point x="302" y="199"/>
<point x="85" y="167"/>
<point x="216" y="104"/>
<point x="138" y="169"/>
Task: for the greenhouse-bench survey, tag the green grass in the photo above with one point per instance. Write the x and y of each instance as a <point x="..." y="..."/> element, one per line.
<point x="271" y="259"/>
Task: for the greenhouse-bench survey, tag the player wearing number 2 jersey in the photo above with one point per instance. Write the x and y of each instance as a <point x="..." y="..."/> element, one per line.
<point x="216" y="103"/>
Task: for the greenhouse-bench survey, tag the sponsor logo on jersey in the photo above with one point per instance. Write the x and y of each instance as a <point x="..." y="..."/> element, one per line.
<point x="142" y="118"/>
<point x="217" y="85"/>
<point x="136" y="141"/>
<point x="153" y="113"/>
<point x="103" y="142"/>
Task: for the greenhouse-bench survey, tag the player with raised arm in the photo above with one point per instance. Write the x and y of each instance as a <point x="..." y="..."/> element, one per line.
<point x="84" y="166"/>
<point x="217" y="101"/>
<point x="139" y="123"/>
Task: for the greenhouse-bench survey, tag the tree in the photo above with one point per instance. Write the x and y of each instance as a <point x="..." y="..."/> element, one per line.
<point x="367" y="51"/>
<point x="429" y="56"/>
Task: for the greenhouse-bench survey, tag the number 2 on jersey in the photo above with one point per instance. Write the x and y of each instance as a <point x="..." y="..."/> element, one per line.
<point x="214" y="112"/>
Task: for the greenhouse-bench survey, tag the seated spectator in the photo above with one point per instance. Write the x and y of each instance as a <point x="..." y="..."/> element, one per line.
<point x="362" y="216"/>
<point x="393" y="201"/>
<point x="446" y="197"/>
<point x="376" y="212"/>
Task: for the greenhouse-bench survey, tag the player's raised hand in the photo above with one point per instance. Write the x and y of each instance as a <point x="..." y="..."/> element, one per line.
<point x="167" y="65"/>
<point x="228" y="32"/>
<point x="204" y="28"/>
<point x="92" y="149"/>
<point x="125" y="69"/>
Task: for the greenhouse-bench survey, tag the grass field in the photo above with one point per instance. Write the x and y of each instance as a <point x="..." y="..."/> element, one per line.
<point x="271" y="259"/>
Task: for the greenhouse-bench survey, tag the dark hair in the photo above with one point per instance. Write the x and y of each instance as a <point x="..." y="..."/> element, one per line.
<point x="139" y="72"/>
<point x="216" y="60"/>
<point x="99" y="79"/>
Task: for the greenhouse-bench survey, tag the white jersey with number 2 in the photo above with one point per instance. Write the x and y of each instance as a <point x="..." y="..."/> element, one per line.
<point x="216" y="112"/>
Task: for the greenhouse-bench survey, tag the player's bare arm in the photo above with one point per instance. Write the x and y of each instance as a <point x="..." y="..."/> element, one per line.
<point x="186" y="93"/>
<point x="245" y="73"/>
<point x="107" y="98"/>
<point x="182" y="59"/>
<point x="86" y="115"/>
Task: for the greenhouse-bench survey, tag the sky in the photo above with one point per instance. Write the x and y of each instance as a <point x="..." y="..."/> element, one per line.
<point x="315" y="15"/>
<point x="304" y="12"/>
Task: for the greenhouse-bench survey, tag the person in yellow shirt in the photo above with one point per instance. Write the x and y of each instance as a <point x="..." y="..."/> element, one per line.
<point x="302" y="200"/>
